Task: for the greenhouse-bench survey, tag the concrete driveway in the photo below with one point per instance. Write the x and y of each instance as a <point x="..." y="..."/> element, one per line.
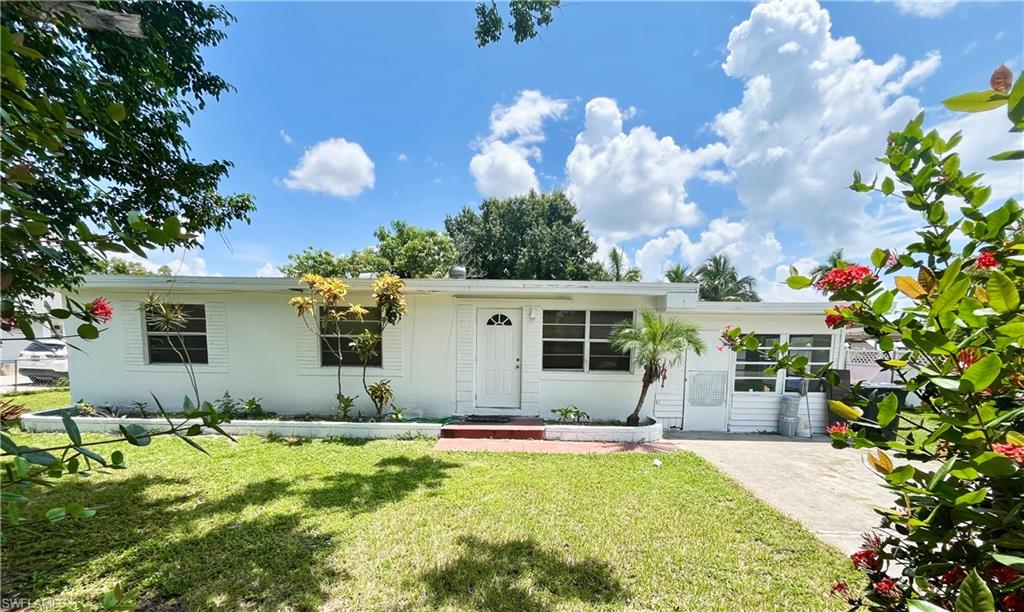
<point x="830" y="491"/>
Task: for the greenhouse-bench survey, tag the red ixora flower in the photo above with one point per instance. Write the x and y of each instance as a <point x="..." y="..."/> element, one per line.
<point x="841" y="278"/>
<point x="834" y="320"/>
<point x="100" y="309"/>
<point x="888" y="588"/>
<point x="1013" y="451"/>
<point x="1003" y="574"/>
<point x="839" y="589"/>
<point x="953" y="575"/>
<point x="1014" y="602"/>
<point x="986" y="261"/>
<point x="865" y="560"/>
<point x="838" y="427"/>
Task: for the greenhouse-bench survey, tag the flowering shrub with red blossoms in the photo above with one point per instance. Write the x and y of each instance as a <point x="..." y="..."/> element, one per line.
<point x="953" y="537"/>
<point x="844" y="277"/>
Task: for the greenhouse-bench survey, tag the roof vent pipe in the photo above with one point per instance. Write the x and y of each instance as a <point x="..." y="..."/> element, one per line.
<point x="457" y="272"/>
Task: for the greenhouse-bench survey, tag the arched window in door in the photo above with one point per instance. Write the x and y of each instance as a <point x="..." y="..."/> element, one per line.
<point x="499" y="319"/>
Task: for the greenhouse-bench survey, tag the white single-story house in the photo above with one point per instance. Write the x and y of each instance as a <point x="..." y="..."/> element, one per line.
<point x="466" y="346"/>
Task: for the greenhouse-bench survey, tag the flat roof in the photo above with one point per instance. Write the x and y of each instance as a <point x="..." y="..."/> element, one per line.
<point x="461" y="287"/>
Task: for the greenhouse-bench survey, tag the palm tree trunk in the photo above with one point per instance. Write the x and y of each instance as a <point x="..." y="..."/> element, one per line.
<point x="634" y="419"/>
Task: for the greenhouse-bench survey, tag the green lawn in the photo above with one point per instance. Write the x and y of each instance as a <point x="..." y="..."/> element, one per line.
<point x="392" y="525"/>
<point x="35" y="401"/>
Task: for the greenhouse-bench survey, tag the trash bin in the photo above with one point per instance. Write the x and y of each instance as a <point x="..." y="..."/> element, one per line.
<point x="875" y="394"/>
<point x="789" y="409"/>
<point x="790" y="405"/>
<point x="787" y="426"/>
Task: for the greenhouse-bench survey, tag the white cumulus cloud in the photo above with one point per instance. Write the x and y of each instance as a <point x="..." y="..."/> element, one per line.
<point x="501" y="167"/>
<point x="268" y="270"/>
<point x="926" y="8"/>
<point x="751" y="251"/>
<point x="813" y="110"/>
<point x="336" y="167"/>
<point x="632" y="184"/>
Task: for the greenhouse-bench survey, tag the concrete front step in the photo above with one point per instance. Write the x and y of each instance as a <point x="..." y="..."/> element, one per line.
<point x="493" y="430"/>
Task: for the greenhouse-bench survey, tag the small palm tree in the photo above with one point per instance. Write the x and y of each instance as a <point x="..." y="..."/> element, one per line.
<point x="657" y="344"/>
<point x="617" y="268"/>
<point x="680" y="274"/>
<point x="835" y="260"/>
<point x="721" y="282"/>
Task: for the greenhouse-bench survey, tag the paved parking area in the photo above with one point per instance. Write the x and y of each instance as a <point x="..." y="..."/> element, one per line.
<point x="830" y="491"/>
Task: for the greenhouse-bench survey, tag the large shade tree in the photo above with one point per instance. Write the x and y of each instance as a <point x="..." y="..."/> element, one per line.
<point x="532" y="236"/>
<point x="404" y="250"/>
<point x="94" y="158"/>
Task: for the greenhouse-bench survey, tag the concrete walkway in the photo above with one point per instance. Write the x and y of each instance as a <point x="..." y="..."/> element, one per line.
<point x="829" y="491"/>
<point x="547" y="446"/>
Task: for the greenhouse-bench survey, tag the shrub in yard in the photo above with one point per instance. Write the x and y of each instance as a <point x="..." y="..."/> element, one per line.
<point x="323" y="311"/>
<point x="657" y="344"/>
<point x="955" y="534"/>
<point x="570" y="414"/>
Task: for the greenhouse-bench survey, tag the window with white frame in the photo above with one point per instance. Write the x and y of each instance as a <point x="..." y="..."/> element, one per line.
<point x="752" y="366"/>
<point x="336" y="339"/>
<point x="577" y="340"/>
<point x="752" y="373"/>
<point x="818" y="350"/>
<point x="179" y="345"/>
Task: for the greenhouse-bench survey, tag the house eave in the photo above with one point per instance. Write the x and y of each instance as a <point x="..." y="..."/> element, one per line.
<point x="458" y="287"/>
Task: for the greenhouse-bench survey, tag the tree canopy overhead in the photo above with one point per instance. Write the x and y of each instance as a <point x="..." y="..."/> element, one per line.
<point x="525" y="17"/>
<point x="94" y="159"/>
<point x="533" y="236"/>
<point x="404" y="250"/>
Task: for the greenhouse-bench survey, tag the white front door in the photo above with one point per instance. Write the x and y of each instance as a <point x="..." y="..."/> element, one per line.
<point x="499" y="336"/>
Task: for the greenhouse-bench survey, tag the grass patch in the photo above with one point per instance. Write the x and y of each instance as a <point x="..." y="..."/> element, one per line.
<point x="387" y="525"/>
<point x="35" y="401"/>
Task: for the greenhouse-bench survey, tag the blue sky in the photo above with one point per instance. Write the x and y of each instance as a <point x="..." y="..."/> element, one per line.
<point x="406" y="88"/>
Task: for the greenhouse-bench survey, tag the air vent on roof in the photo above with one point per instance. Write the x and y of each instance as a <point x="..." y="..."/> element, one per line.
<point x="458" y="272"/>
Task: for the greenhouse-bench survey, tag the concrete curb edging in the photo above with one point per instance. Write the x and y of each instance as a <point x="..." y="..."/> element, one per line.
<point x="51" y="421"/>
<point x="604" y="433"/>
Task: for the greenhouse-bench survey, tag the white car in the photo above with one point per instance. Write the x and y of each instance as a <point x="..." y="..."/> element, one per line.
<point x="44" y="362"/>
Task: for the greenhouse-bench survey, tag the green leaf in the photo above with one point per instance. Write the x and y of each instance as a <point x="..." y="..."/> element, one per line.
<point x="56" y="514"/>
<point x="91" y="455"/>
<point x="135" y="434"/>
<point x="117" y="459"/>
<point x="951" y="296"/>
<point x="116" y="111"/>
<point x="983" y="373"/>
<point x="60" y="313"/>
<point x="888" y="186"/>
<point x="887" y="409"/>
<point x="1008" y="155"/>
<point x="879" y="257"/>
<point x="901" y="474"/>
<point x="920" y="605"/>
<point x="975" y="101"/>
<point x="193" y="443"/>
<point x="1013" y="330"/>
<point x="974" y="497"/>
<point x="974" y="595"/>
<point x="1002" y="294"/>
<point x="994" y="464"/>
<point x="1016" y="563"/>
<point x="798" y="282"/>
<point x="71" y="428"/>
<point x="883" y="303"/>
<point x="941" y="473"/>
<point x="38" y="457"/>
<point x="88" y="331"/>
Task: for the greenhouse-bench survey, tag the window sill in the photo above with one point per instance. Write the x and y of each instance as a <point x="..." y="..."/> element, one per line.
<point x="569" y="375"/>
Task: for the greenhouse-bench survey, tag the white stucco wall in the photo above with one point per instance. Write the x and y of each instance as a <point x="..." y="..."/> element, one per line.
<point x="259" y="348"/>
